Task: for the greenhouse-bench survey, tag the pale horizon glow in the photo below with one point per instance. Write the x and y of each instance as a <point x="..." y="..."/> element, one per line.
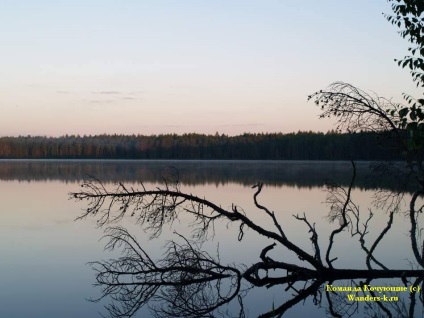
<point x="158" y="67"/>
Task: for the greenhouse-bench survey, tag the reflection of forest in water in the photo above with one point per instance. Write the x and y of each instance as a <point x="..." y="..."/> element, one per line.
<point x="274" y="173"/>
<point x="45" y="218"/>
<point x="189" y="279"/>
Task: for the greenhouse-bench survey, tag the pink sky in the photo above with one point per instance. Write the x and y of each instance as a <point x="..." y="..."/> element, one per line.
<point x="151" y="67"/>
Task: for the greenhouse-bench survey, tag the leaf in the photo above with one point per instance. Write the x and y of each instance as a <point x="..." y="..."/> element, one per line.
<point x="413" y="116"/>
<point x="403" y="112"/>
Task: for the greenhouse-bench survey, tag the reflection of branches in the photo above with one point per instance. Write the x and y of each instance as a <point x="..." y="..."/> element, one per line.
<point x="419" y="256"/>
<point x="338" y="306"/>
<point x="347" y="212"/>
<point x="341" y="306"/>
<point x="311" y="290"/>
<point x="335" y="202"/>
<point x="364" y="231"/>
<point x="205" y="289"/>
<point x="159" y="207"/>
<point x="155" y="209"/>
<point x="399" y="308"/>
<point x="393" y="173"/>
<point x="190" y="281"/>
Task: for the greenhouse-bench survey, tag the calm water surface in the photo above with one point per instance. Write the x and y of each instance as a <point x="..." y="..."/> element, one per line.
<point x="44" y="251"/>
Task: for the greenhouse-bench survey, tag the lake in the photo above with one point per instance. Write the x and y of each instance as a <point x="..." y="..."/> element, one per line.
<point x="45" y="251"/>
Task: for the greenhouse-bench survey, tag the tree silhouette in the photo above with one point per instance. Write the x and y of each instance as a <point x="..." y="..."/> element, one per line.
<point x="189" y="282"/>
<point x="409" y="15"/>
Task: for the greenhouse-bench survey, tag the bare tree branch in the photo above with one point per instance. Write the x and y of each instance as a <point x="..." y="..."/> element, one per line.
<point x="356" y="110"/>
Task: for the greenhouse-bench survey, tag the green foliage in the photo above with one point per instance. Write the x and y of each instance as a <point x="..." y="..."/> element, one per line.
<point x="412" y="120"/>
<point x="409" y="16"/>
<point x="357" y="111"/>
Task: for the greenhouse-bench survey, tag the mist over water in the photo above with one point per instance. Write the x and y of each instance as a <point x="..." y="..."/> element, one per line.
<point x="45" y="251"/>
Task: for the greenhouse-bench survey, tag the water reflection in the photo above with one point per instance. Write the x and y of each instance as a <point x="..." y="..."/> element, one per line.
<point x="189" y="282"/>
<point x="300" y="174"/>
<point x="45" y="250"/>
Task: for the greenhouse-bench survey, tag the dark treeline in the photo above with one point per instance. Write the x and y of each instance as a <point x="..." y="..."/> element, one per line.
<point x="265" y="146"/>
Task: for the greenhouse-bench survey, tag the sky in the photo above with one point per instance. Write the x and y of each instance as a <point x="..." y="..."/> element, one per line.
<point x="203" y="66"/>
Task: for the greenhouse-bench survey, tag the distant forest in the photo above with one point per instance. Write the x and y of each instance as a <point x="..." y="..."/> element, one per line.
<point x="263" y="146"/>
